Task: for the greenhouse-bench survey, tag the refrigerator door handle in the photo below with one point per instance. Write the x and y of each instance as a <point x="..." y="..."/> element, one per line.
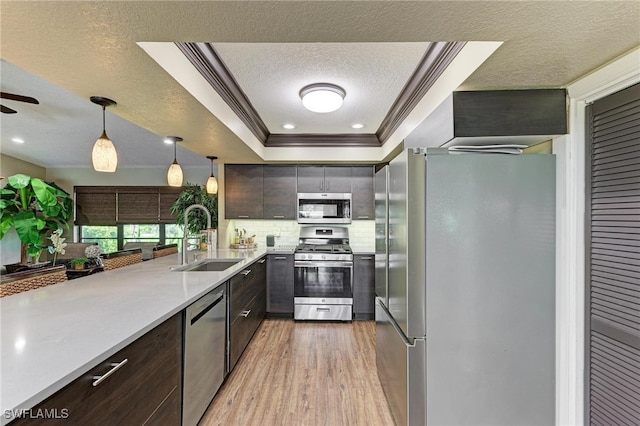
<point x="392" y="321"/>
<point x="401" y="369"/>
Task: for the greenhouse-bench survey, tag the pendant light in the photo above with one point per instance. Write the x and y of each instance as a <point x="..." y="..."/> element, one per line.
<point x="104" y="156"/>
<point x="174" y="175"/>
<point x="212" y="182"/>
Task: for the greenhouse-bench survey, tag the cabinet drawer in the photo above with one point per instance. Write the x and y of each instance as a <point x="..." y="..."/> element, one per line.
<point x="242" y="290"/>
<point x="242" y="329"/>
<point x="133" y="390"/>
<point x="168" y="413"/>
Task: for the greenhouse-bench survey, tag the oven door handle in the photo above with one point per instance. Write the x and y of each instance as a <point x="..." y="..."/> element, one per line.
<point x="322" y="263"/>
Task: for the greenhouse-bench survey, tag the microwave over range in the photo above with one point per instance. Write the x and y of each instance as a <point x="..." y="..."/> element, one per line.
<point x="324" y="208"/>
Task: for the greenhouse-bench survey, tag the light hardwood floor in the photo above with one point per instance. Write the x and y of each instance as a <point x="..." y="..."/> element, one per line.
<point x="304" y="373"/>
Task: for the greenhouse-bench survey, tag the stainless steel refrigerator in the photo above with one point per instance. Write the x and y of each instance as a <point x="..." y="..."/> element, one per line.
<point x="465" y="320"/>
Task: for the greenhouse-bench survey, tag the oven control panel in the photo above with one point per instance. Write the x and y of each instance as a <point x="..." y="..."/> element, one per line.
<point x="325" y="257"/>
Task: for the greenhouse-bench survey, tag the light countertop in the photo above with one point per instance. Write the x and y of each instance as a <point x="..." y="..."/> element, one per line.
<point x="52" y="335"/>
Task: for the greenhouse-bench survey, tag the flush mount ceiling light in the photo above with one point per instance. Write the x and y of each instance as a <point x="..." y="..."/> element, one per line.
<point x="357" y="126"/>
<point x="174" y="174"/>
<point x="288" y="126"/>
<point x="104" y="156"/>
<point x="212" y="182"/>
<point x="322" y="97"/>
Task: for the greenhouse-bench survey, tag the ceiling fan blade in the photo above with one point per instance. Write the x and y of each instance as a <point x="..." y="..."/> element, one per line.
<point x="6" y="110"/>
<point x="19" y="98"/>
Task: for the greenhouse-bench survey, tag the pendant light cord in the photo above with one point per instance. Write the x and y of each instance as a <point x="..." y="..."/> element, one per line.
<point x="175" y="158"/>
<point x="104" y="127"/>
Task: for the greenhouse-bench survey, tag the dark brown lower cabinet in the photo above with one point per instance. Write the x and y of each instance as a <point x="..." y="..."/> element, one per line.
<point x="247" y="307"/>
<point x="363" y="286"/>
<point x="280" y="285"/>
<point x="143" y="390"/>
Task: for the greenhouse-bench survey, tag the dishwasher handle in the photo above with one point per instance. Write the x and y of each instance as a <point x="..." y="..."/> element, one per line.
<point x="218" y="298"/>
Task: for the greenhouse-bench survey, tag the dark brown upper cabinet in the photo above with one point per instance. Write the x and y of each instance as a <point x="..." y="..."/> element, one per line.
<point x="270" y="192"/>
<point x="279" y="192"/>
<point x="335" y="179"/>
<point x="243" y="191"/>
<point x="362" y="197"/>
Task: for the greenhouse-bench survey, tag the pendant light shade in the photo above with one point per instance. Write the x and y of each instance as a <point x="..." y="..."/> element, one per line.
<point x="174" y="174"/>
<point x="212" y="182"/>
<point x="104" y="156"/>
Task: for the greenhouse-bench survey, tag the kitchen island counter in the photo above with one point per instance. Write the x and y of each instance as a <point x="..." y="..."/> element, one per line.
<point x="54" y="334"/>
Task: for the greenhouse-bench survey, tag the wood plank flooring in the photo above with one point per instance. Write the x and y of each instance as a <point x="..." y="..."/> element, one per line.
<point x="304" y="373"/>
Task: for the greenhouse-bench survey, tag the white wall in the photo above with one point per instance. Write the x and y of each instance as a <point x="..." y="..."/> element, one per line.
<point x="9" y="166"/>
<point x="570" y="256"/>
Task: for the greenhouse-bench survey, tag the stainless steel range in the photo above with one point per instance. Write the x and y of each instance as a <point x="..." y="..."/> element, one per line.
<point x="323" y="274"/>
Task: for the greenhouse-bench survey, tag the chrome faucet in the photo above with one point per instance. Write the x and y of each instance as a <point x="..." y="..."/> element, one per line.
<point x="186" y="230"/>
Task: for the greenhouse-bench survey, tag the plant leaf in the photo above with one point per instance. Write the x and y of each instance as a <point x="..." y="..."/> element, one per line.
<point x="5" y="224"/>
<point x="19" y="181"/>
<point x="27" y="227"/>
<point x="44" y="194"/>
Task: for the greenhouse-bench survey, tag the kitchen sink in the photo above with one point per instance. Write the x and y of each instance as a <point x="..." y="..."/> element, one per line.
<point x="208" y="265"/>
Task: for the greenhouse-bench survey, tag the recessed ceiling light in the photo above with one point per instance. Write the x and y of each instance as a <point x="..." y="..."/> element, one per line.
<point x="168" y="141"/>
<point x="17" y="140"/>
<point x="357" y="125"/>
<point x="289" y="126"/>
<point x="322" y="97"/>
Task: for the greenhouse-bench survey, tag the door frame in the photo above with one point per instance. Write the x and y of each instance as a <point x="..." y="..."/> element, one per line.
<point x="571" y="312"/>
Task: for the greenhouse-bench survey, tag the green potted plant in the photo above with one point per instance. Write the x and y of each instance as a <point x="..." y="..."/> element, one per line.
<point x="195" y="194"/>
<point x="36" y="209"/>
<point x="78" y="262"/>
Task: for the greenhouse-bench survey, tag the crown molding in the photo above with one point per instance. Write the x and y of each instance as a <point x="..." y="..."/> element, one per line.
<point x="322" y="140"/>
<point x="434" y="62"/>
<point x="207" y="61"/>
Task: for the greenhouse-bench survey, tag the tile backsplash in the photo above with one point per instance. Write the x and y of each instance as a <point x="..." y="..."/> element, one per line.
<point x="287" y="232"/>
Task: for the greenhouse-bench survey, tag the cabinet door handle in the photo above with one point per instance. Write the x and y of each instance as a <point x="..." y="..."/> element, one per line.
<point x="363" y="217"/>
<point x="280" y="258"/>
<point x="279" y="216"/>
<point x="242" y="216"/>
<point x="262" y="260"/>
<point x="245" y="313"/>
<point x="246" y="272"/>
<point x="366" y="258"/>
<point x="115" y="367"/>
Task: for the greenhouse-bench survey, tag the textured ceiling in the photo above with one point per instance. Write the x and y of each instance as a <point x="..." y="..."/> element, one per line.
<point x="60" y="131"/>
<point x="89" y="48"/>
<point x="271" y="75"/>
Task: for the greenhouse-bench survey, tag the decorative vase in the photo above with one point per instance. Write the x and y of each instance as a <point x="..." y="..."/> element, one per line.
<point x="79" y="265"/>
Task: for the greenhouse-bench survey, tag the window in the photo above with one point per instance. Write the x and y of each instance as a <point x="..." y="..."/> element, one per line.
<point x="141" y="233"/>
<point x="105" y="236"/>
<point x="113" y="238"/>
<point x="173" y="235"/>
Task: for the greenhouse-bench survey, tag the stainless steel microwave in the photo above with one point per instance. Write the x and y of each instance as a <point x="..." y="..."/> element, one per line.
<point x="324" y="208"/>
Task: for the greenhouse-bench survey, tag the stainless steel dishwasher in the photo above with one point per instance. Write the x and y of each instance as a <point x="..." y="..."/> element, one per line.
<point x="204" y="353"/>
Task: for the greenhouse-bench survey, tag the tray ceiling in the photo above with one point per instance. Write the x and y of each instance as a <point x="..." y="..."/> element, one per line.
<point x="90" y="48"/>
